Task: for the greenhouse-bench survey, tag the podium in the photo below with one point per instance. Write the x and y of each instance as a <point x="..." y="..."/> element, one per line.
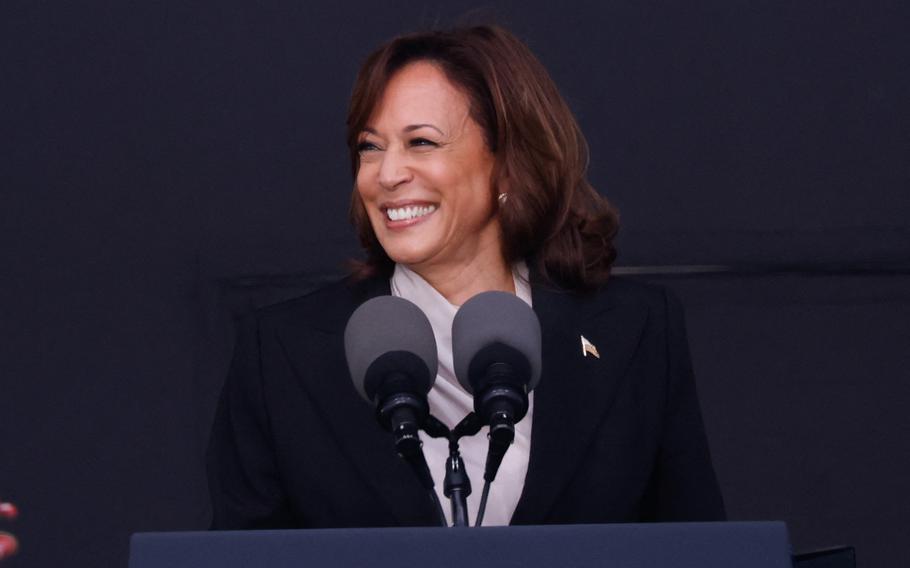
<point x="657" y="545"/>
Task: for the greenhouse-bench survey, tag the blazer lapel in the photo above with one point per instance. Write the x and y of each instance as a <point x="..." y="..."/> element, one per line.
<point x="369" y="448"/>
<point x="576" y="390"/>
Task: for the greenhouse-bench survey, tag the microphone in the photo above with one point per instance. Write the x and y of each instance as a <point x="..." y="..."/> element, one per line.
<point x="496" y="349"/>
<point x="391" y="355"/>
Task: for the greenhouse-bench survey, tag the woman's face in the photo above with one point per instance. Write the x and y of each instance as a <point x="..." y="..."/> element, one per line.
<point x="425" y="174"/>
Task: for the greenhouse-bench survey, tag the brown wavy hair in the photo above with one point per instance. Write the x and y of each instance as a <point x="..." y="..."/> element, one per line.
<point x="553" y="217"/>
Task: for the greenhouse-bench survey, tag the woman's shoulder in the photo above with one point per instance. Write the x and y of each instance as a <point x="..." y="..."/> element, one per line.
<point x="325" y="308"/>
<point x="622" y="290"/>
<point x="632" y="289"/>
<point x="636" y="294"/>
<point x="661" y="303"/>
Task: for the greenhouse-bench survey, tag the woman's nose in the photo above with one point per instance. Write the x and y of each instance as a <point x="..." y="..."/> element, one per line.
<point x="394" y="170"/>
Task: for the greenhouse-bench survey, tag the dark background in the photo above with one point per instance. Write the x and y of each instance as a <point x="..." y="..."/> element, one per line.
<point x="163" y="165"/>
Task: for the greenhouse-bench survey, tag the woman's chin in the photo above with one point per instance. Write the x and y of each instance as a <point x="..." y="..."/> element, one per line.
<point x="411" y="259"/>
<point x="411" y="249"/>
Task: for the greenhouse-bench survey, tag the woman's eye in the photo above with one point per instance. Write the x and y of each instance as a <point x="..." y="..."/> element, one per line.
<point x="422" y="142"/>
<point x="366" y="147"/>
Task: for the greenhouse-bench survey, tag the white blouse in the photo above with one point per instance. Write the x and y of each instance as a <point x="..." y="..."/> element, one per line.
<point x="450" y="403"/>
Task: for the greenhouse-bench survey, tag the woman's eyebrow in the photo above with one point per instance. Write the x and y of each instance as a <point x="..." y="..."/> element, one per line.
<point x="412" y="127"/>
<point x="408" y="128"/>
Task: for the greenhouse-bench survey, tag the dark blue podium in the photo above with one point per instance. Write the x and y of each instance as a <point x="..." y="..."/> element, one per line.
<point x="678" y="545"/>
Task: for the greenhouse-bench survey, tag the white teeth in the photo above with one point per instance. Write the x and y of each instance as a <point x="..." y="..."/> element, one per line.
<point x="408" y="213"/>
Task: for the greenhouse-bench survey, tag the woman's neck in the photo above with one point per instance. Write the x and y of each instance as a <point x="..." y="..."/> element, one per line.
<point x="461" y="282"/>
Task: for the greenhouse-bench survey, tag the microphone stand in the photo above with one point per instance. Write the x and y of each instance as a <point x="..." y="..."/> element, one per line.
<point x="457" y="484"/>
<point x="457" y="487"/>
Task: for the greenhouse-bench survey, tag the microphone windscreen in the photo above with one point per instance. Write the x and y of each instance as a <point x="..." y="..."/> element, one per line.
<point x="388" y="324"/>
<point x="495" y="317"/>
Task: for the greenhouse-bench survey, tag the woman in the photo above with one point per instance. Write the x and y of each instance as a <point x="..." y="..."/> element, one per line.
<point x="469" y="176"/>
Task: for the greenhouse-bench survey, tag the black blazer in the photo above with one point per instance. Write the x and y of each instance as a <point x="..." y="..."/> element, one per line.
<point x="614" y="439"/>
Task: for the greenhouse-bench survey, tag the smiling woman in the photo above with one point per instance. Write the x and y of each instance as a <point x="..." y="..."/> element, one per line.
<point x="469" y="176"/>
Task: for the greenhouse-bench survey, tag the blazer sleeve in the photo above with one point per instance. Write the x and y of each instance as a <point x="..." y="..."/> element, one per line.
<point x="244" y="485"/>
<point x="686" y="485"/>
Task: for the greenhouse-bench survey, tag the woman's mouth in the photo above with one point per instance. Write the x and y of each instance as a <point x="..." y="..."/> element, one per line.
<point x="401" y="215"/>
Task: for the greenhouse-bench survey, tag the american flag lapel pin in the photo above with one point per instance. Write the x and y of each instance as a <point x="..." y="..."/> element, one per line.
<point x="587" y="348"/>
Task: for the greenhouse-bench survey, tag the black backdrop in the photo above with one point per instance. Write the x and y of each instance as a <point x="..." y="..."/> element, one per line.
<point x="163" y="165"/>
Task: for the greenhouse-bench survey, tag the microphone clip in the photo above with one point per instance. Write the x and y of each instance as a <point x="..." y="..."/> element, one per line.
<point x="457" y="484"/>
